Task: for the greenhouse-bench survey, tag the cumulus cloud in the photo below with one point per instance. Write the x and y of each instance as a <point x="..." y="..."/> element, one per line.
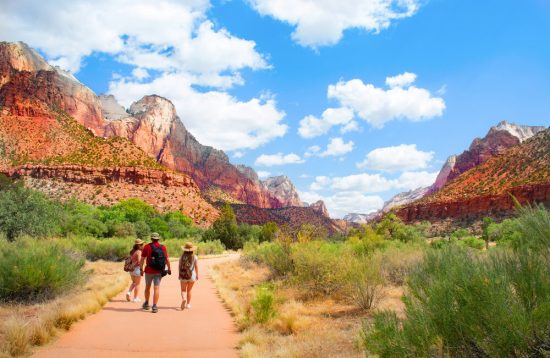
<point x="337" y="147"/>
<point x="415" y="180"/>
<point x="215" y="118"/>
<point x="270" y="160"/>
<point x="403" y="80"/>
<point x="322" y="22"/>
<point x="311" y="126"/>
<point x="378" y="106"/>
<point x="397" y="158"/>
<point x="262" y="174"/>
<point x="342" y="203"/>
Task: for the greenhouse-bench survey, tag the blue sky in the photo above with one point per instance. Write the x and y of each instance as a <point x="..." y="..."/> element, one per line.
<point x="245" y="76"/>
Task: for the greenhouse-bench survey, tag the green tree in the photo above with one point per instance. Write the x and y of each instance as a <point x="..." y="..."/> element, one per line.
<point x="268" y="232"/>
<point x="485" y="227"/>
<point x="225" y="229"/>
<point x="25" y="211"/>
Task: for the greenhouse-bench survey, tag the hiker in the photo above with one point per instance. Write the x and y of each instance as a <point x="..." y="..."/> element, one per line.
<point x="188" y="274"/>
<point x="135" y="270"/>
<point x="156" y="257"/>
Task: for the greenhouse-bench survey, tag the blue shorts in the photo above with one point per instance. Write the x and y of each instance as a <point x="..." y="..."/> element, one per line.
<point x="154" y="277"/>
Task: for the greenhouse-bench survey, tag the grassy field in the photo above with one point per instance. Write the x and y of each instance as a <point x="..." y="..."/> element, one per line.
<point x="26" y="326"/>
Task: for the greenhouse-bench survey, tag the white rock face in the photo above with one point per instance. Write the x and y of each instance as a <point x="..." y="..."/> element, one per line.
<point x="521" y="132"/>
<point x="361" y="218"/>
<point x="282" y="188"/>
<point x="405" y="198"/>
<point x="112" y="110"/>
<point x="157" y="111"/>
<point x="446" y="169"/>
<point x="248" y="172"/>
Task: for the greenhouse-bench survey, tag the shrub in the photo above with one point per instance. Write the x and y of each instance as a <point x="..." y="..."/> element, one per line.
<point x="318" y="267"/>
<point x="473" y="242"/>
<point x="397" y="262"/>
<point x="173" y="246"/>
<point x="27" y="212"/>
<point x="365" y="282"/>
<point x="34" y="270"/>
<point x="272" y="254"/>
<point x="111" y="249"/>
<point x="263" y="304"/>
<point x="268" y="232"/>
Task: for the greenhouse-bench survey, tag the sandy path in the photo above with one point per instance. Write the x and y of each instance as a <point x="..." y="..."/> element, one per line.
<point x="123" y="329"/>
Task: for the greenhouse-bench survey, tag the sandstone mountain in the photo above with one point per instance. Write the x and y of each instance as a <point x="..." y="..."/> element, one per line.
<point x="522" y="171"/>
<point x="282" y="188"/>
<point x="49" y="127"/>
<point x="320" y="207"/>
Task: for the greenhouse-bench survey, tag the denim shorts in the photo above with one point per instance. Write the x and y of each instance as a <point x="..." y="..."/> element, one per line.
<point x="154" y="277"/>
<point x="136" y="272"/>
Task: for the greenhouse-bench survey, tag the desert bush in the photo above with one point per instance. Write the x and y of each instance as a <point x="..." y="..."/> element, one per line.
<point x="272" y="254"/>
<point x="463" y="303"/>
<point x="174" y="247"/>
<point x="364" y="280"/>
<point x="318" y="267"/>
<point x="505" y="233"/>
<point x="263" y="304"/>
<point x="473" y="242"/>
<point x="33" y="270"/>
<point x="397" y="262"/>
<point x="110" y="249"/>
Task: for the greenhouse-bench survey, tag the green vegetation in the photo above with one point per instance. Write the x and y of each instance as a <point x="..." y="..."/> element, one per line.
<point x="263" y="304"/>
<point x="37" y="269"/>
<point x="466" y="303"/>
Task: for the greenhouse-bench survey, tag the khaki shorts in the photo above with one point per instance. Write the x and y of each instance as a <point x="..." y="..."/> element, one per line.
<point x="152" y="277"/>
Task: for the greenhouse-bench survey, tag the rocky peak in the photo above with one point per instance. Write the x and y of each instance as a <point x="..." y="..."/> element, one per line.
<point x="405" y="198"/>
<point x="112" y="110"/>
<point x="248" y="172"/>
<point x="521" y="132"/>
<point x="446" y="169"/>
<point x="320" y="207"/>
<point x="159" y="112"/>
<point x="282" y="188"/>
<point x="19" y="56"/>
<point x="357" y="218"/>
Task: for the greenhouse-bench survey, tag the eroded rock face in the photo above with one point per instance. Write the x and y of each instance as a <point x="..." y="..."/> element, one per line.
<point x="282" y="188"/>
<point x="28" y="74"/>
<point x="405" y="198"/>
<point x="155" y="127"/>
<point x="320" y="207"/>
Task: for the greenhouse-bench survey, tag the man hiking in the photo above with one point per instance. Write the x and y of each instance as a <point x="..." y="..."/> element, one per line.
<point x="156" y="257"/>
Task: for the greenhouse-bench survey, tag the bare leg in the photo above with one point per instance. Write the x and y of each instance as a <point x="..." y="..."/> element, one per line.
<point x="147" y="292"/>
<point x="183" y="286"/>
<point x="189" y="288"/>
<point x="137" y="280"/>
<point x="156" y="294"/>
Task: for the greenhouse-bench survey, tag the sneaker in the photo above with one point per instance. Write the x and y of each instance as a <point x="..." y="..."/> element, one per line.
<point x="188" y="306"/>
<point x="128" y="296"/>
<point x="136" y="300"/>
<point x="145" y="306"/>
<point x="183" y="304"/>
<point x="155" y="309"/>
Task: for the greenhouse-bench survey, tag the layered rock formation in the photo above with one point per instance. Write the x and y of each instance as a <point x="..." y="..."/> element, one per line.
<point x="282" y="188"/>
<point x="405" y="198"/>
<point x="522" y="171"/>
<point x="154" y="126"/>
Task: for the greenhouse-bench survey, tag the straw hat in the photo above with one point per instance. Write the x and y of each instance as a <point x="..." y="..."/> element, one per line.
<point x="139" y="242"/>
<point x="188" y="247"/>
<point x="155" y="236"/>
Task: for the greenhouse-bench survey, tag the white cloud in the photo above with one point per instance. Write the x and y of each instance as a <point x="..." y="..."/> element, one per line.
<point x="140" y="73"/>
<point x="311" y="151"/>
<point x="311" y="126"/>
<point x="397" y="158"/>
<point x="237" y="154"/>
<point x="414" y="180"/>
<point x="403" y="80"/>
<point x="378" y="106"/>
<point x="269" y="160"/>
<point x="215" y="118"/>
<point x="342" y="203"/>
<point x="337" y="147"/>
<point x="322" y="22"/>
<point x="262" y="174"/>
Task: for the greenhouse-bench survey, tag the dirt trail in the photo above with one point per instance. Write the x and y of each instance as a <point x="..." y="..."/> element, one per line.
<point x="123" y="329"/>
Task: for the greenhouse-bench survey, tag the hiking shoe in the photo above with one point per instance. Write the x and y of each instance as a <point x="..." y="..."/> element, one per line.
<point x="145" y="306"/>
<point x="128" y="296"/>
<point x="136" y="300"/>
<point x="155" y="309"/>
<point x="183" y="304"/>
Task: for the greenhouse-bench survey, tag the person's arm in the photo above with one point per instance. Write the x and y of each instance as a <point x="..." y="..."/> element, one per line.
<point x="197" y="266"/>
<point x="167" y="260"/>
<point x="142" y="261"/>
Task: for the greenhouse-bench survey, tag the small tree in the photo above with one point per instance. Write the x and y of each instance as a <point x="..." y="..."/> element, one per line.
<point x="485" y="227"/>
<point x="225" y="229"/>
<point x="268" y="232"/>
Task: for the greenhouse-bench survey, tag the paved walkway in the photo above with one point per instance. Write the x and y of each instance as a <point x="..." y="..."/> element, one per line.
<point x="122" y="329"/>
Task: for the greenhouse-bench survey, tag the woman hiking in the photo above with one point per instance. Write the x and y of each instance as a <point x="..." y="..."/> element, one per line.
<point x="188" y="274"/>
<point x="135" y="273"/>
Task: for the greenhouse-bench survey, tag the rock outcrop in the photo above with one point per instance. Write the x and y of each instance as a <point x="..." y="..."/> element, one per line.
<point x="320" y="207"/>
<point x="405" y="198"/>
<point x="282" y="188"/>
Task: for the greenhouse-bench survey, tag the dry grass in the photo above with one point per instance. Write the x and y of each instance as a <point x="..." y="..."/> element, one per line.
<point x="26" y="326"/>
<point x="323" y="327"/>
